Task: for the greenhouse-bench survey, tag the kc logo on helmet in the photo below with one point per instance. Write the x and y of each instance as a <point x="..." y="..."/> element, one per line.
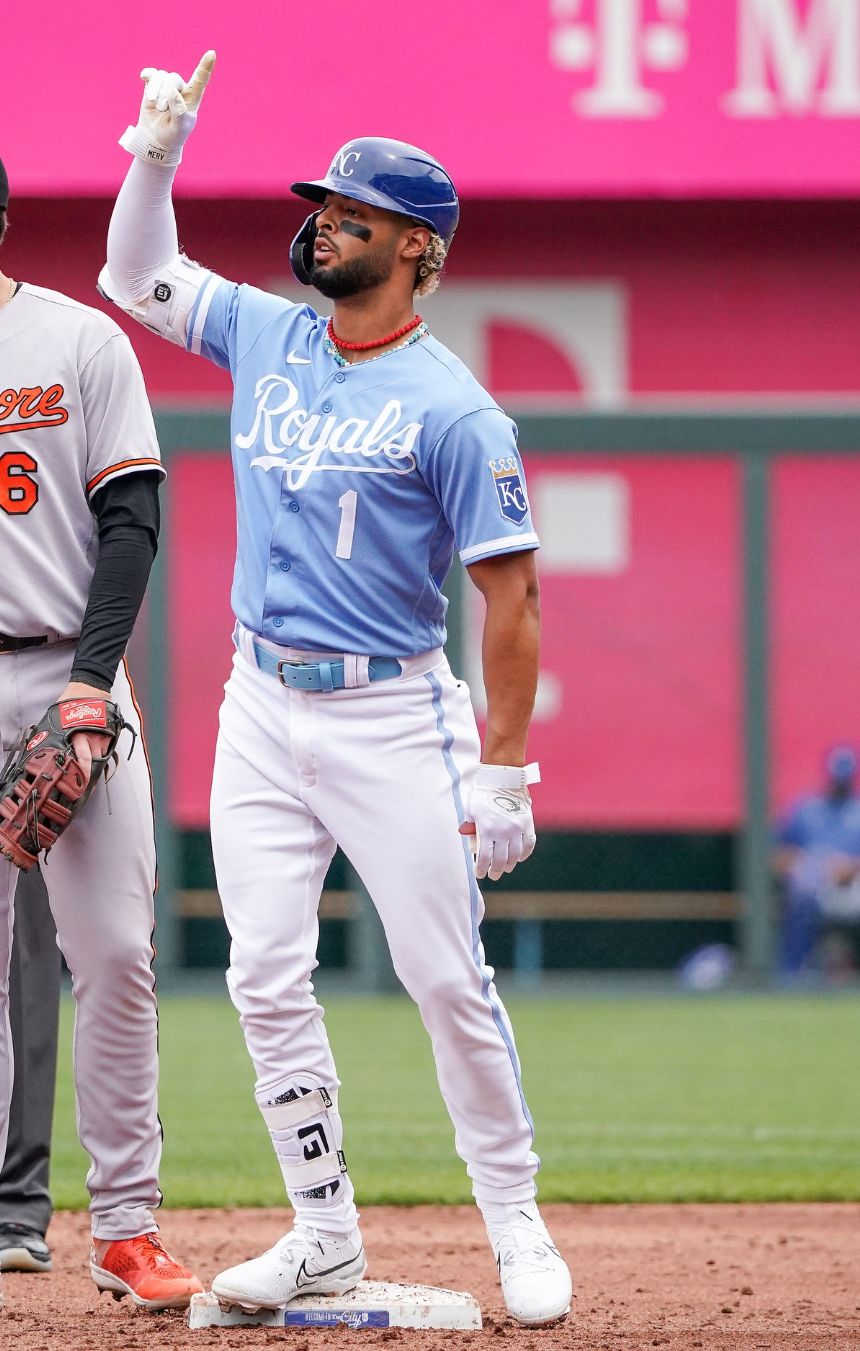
<point x="510" y="489"/>
<point x="339" y="165"/>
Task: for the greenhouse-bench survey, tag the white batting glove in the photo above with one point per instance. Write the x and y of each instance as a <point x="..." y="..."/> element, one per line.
<point x="501" y="809"/>
<point x="168" y="113"/>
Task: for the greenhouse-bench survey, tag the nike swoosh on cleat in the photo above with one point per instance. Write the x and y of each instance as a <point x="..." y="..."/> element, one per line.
<point x="293" y="360"/>
<point x="313" y="1276"/>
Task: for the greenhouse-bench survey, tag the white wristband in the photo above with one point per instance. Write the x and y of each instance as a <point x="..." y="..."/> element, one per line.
<point x="508" y="776"/>
<point x="137" y="143"/>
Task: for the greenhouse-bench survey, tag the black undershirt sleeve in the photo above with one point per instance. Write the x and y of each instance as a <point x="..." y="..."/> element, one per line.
<point x="128" y="520"/>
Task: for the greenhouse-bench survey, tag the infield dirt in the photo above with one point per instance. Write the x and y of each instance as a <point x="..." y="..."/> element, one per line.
<point x="736" y="1278"/>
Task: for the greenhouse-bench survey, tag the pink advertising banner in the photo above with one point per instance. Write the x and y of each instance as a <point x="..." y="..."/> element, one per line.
<point x="534" y="98"/>
<point x="638" y="718"/>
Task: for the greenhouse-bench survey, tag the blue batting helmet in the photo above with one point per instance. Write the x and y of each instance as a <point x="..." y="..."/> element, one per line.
<point x="383" y="173"/>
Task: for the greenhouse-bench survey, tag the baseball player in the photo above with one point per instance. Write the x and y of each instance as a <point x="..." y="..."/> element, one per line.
<point x="817" y="861"/>
<point x="364" y="452"/>
<point x="79" y="475"/>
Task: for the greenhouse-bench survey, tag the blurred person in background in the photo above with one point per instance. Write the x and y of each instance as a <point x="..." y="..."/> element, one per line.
<point x="816" y="860"/>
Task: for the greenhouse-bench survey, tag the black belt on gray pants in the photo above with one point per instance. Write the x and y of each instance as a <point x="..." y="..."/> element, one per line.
<point x="10" y="644"/>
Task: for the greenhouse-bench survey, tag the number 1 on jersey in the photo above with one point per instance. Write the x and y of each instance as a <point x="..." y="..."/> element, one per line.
<point x="348" y="505"/>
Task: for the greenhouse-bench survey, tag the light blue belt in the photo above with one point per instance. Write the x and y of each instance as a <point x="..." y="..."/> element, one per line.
<point x="320" y="675"/>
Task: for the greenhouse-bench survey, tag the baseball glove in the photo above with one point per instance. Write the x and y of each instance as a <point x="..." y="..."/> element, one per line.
<point x="42" y="786"/>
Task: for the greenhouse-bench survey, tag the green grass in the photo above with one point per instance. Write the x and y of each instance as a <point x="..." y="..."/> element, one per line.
<point x="747" y="1099"/>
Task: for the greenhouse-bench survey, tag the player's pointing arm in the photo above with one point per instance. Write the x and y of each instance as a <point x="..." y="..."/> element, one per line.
<point x="168" y="112"/>
<point x="143" y="249"/>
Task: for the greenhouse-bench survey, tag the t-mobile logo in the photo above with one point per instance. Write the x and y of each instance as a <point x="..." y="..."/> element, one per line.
<point x="620" y="41"/>
<point x="797" y="59"/>
<point x="792" y="57"/>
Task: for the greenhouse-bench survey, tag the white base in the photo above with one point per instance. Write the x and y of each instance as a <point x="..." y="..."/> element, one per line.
<point x="372" y="1304"/>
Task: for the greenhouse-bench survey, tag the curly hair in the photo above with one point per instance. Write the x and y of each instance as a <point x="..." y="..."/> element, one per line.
<point x="430" y="265"/>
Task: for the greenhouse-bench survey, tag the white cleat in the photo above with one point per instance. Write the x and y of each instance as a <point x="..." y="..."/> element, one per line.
<point x="303" y="1262"/>
<point x="535" y="1280"/>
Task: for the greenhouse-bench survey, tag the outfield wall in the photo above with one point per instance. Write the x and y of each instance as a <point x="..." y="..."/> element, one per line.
<point x="574" y="304"/>
<point x="602" y="307"/>
<point x="639" y="720"/>
<point x="620" y="711"/>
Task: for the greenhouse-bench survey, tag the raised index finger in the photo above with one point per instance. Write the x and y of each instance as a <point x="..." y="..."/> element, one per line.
<point x="196" y="86"/>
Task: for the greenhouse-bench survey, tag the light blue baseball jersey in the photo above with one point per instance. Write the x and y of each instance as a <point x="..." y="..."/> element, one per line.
<point x="354" y="484"/>
<point x="822" y="823"/>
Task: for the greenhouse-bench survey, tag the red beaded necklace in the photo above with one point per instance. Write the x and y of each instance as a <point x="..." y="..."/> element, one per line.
<point x="378" y="342"/>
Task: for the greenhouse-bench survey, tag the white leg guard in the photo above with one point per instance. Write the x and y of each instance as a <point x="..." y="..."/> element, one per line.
<point x="307" y="1135"/>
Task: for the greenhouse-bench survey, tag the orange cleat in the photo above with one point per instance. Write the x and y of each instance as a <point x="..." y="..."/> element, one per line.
<point x="142" y="1267"/>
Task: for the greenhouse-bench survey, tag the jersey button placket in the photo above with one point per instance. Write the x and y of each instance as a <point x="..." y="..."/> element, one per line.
<point x="289" y="503"/>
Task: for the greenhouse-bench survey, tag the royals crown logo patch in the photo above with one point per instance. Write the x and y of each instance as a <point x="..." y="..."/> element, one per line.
<point x="510" y="489"/>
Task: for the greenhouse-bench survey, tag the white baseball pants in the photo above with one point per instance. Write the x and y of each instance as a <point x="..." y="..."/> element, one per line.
<point x="383" y="771"/>
<point x="100" y="878"/>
